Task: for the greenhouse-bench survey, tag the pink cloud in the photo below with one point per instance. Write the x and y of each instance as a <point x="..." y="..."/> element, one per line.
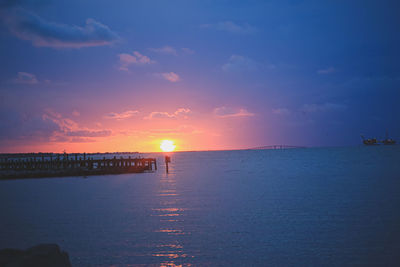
<point x="135" y="58"/>
<point x="225" y="112"/>
<point x="89" y="133"/>
<point x="26" y="78"/>
<point x="123" y="115"/>
<point x="181" y="112"/>
<point x="68" y="129"/>
<point x="170" y="76"/>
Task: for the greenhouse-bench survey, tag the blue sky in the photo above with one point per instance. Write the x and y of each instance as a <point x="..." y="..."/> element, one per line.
<point x="236" y="73"/>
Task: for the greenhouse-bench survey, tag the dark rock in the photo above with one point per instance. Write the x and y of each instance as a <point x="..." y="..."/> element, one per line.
<point x="44" y="255"/>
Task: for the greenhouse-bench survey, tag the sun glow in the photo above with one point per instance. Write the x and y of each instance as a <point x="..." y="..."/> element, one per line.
<point x="167" y="146"/>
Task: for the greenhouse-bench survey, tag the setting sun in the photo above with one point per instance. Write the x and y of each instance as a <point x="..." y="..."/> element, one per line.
<point x="167" y="146"/>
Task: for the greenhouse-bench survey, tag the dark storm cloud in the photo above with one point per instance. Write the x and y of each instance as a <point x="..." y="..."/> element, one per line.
<point x="29" y="26"/>
<point x="19" y="126"/>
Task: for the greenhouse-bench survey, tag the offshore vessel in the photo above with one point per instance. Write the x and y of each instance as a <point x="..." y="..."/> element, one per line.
<point x="388" y="141"/>
<point x="374" y="141"/>
<point x="369" y="141"/>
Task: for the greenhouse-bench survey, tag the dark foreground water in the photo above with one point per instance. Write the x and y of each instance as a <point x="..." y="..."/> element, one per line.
<point x="300" y="207"/>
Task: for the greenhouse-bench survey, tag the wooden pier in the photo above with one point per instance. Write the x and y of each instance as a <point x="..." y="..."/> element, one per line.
<point x="72" y="166"/>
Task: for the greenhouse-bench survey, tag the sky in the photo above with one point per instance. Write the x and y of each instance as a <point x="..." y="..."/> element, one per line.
<point x="102" y="76"/>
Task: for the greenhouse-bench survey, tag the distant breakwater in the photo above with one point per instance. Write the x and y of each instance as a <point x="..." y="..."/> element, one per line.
<point x="275" y="147"/>
<point x="75" y="166"/>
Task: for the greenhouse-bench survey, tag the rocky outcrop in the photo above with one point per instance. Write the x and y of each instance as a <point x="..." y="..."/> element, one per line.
<point x="44" y="255"/>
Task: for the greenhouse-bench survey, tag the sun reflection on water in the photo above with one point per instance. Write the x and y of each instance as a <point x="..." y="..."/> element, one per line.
<point x="170" y="213"/>
<point x="171" y="264"/>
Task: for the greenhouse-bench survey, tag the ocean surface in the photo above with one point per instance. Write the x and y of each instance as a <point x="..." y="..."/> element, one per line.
<point x="290" y="207"/>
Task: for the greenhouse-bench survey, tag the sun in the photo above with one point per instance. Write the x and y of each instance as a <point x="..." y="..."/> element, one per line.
<point x="167" y="146"/>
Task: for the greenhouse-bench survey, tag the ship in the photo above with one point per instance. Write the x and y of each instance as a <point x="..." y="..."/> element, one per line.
<point x="388" y="141"/>
<point x="374" y="141"/>
<point x="369" y="141"/>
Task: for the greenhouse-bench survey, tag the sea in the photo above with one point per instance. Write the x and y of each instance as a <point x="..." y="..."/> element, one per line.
<point x="336" y="206"/>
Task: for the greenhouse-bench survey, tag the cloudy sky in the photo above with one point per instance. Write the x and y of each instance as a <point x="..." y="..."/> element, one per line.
<point x="209" y="74"/>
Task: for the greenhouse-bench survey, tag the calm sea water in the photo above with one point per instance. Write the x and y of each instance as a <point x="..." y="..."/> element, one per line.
<point x="299" y="207"/>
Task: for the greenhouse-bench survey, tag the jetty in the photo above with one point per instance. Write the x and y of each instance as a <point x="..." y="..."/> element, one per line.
<point x="66" y="165"/>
